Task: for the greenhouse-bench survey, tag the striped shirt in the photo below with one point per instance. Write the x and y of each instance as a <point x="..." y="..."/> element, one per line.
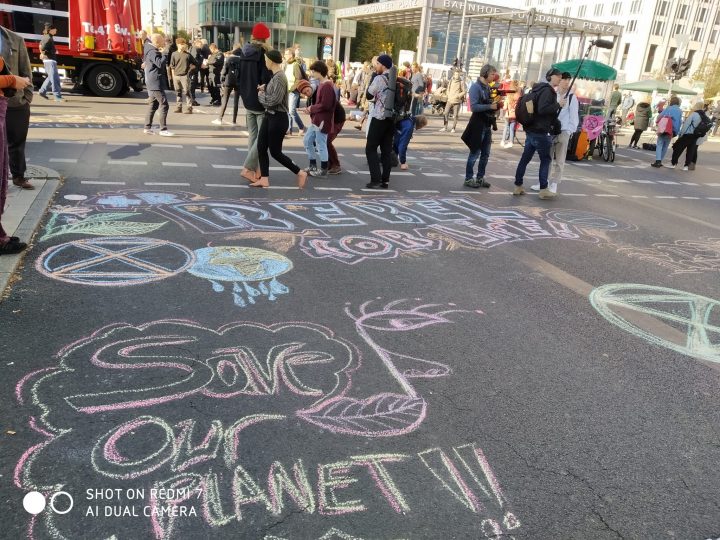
<point x="275" y="97"/>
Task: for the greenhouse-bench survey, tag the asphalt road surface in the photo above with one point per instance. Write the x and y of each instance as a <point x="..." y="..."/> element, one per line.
<point x="187" y="357"/>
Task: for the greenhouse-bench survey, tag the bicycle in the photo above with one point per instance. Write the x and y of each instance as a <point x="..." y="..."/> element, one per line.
<point x="607" y="141"/>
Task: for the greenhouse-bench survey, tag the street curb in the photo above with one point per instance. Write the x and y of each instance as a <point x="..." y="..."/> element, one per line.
<point x="30" y="222"/>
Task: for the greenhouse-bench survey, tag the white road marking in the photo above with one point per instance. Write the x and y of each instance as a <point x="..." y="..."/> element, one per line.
<point x="618" y="180"/>
<point x="669" y="182"/>
<point x="295" y="152"/>
<point x="216" y="166"/>
<point x="102" y="182"/>
<point x="466" y="191"/>
<point x="123" y="162"/>
<point x="431" y="174"/>
<point x="606" y="195"/>
<point x="63" y="160"/>
<point x="228" y="185"/>
<point x="358" y="155"/>
<point x="574" y="194"/>
<point x="423" y="191"/>
<point x="503" y="176"/>
<point x="408" y="173"/>
<point x="665" y="197"/>
<point x="644" y="181"/>
<point x="74" y="142"/>
<point x="333" y="188"/>
<point x="158" y="145"/>
<point x="693" y="198"/>
<point x="639" y="196"/>
<point x="178" y="164"/>
<point x="211" y="148"/>
<point x="379" y="190"/>
<point x="167" y="183"/>
<point x="38" y="140"/>
<point x="713" y="185"/>
<point x="284" y="187"/>
<point x="688" y="183"/>
<point x="123" y="144"/>
<point x="604" y="165"/>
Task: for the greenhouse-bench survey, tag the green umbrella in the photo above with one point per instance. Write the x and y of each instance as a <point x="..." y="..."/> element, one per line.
<point x="591" y="70"/>
<point x="661" y="87"/>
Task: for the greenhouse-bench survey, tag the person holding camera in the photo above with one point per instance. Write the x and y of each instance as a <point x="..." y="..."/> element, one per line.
<point x="478" y="132"/>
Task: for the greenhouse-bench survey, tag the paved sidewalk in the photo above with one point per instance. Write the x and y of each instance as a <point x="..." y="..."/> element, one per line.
<point x="25" y="210"/>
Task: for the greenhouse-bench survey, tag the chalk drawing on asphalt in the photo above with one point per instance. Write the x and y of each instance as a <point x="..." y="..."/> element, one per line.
<point x="114" y="261"/>
<point x="698" y="317"/>
<point x="253" y="272"/>
<point x="681" y="256"/>
<point x="75" y="220"/>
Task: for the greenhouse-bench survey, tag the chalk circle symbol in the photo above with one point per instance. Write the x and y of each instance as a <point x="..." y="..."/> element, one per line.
<point x="34" y="502"/>
<point x="697" y="315"/>
<point x="114" y="261"/>
<point x="587" y="220"/>
<point x="230" y="263"/>
<point x="70" y="506"/>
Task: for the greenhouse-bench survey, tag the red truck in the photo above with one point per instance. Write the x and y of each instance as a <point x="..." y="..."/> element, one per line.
<point x="98" y="41"/>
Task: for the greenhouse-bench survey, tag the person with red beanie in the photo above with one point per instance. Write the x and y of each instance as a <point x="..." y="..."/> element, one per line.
<point x="253" y="73"/>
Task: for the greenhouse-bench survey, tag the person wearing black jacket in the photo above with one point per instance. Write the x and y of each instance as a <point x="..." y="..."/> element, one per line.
<point x="229" y="78"/>
<point x="196" y="51"/>
<point x="155" y="63"/>
<point x="170" y="47"/>
<point x="538" y="137"/>
<point x="215" y="62"/>
<point x="183" y="65"/>
<point x="48" y="54"/>
<point x="253" y="73"/>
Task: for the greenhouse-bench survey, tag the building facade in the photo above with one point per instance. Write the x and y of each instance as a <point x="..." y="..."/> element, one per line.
<point x="654" y="30"/>
<point x="307" y="22"/>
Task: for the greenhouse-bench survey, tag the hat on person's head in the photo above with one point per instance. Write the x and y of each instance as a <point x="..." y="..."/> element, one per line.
<point x="275" y="56"/>
<point x="302" y="85"/>
<point x="260" y="31"/>
<point x="551" y="72"/>
<point x="385" y="60"/>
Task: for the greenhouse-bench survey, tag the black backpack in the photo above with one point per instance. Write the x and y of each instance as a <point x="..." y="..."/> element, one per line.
<point x="403" y="99"/>
<point x="704" y="126"/>
<point x="522" y="115"/>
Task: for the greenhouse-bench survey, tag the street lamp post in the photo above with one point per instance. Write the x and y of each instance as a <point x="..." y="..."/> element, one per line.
<point x="677" y="67"/>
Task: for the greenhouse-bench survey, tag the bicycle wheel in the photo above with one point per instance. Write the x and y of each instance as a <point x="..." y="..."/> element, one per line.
<point x="607" y="148"/>
<point x="599" y="144"/>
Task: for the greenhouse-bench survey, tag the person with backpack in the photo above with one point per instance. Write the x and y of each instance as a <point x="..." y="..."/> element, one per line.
<point x="538" y="111"/>
<point x="253" y="73"/>
<point x="322" y="113"/>
<point x="382" y="124"/>
<point x="404" y="130"/>
<point x="569" y="119"/>
<point x="294" y="74"/>
<point x="215" y="61"/>
<point x="229" y="79"/>
<point x="701" y="140"/>
<point x="668" y="125"/>
<point x="478" y="132"/>
<point x="183" y="65"/>
<point x="696" y="125"/>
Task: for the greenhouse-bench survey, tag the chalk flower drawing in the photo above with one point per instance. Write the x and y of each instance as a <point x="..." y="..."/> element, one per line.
<point x="74" y="220"/>
<point x="253" y="272"/>
<point x="698" y="316"/>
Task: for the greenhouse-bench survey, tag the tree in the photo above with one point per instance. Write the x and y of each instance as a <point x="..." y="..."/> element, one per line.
<point x="709" y="73"/>
<point x="185" y="35"/>
<point x="373" y="39"/>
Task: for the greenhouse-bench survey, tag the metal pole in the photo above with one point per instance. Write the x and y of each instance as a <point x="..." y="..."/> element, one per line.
<point x="508" y="47"/>
<point x="447" y="39"/>
<point x="542" y="53"/>
<point x="424" y="31"/>
<point x="467" y="47"/>
<point x="462" y="27"/>
<point x="581" y="45"/>
<point x="336" y="40"/>
<point x="528" y="60"/>
<point x="488" y="49"/>
<point x="152" y="16"/>
<point x="559" y="42"/>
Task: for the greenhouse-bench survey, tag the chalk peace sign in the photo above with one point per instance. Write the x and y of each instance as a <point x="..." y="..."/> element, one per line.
<point x="697" y="315"/>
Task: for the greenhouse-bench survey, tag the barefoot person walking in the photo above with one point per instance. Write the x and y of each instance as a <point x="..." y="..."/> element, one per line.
<point x="274" y="97"/>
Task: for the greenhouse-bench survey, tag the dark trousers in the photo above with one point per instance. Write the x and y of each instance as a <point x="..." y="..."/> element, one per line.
<point x="540" y="143"/>
<point x="635" y="137"/>
<point x="204" y="78"/>
<point x="214" y="88"/>
<point x="333" y="159"/>
<point x="271" y="136"/>
<point x="159" y="101"/>
<point x="685" y="142"/>
<point x="17" y="123"/>
<point x="380" y="134"/>
<point x="226" y="97"/>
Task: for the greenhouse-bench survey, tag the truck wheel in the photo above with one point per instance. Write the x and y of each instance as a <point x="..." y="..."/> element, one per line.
<point x="104" y="81"/>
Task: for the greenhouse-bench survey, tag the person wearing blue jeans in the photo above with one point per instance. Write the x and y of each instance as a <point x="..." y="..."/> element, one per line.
<point x="404" y="130"/>
<point x="477" y="135"/>
<point x="293" y="103"/>
<point x="542" y="108"/>
<point x="663" y="141"/>
<point x="48" y="54"/>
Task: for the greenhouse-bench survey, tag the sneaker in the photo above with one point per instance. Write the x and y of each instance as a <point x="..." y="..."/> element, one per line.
<point x="553" y="187"/>
<point x="535" y="187"/>
<point x="471" y="183"/>
<point x="443" y="130"/>
<point x="43" y="95"/>
<point x="686" y="168"/>
<point x="148" y="131"/>
<point x="519" y="190"/>
<point x="195" y="104"/>
<point x="12" y="247"/>
<point x="334" y="171"/>
<point x="656" y="164"/>
<point x="375" y="185"/>
<point x="217" y="122"/>
<point x="692" y="166"/>
<point x="546" y="194"/>
<point x="673" y="166"/>
<point x="310" y="169"/>
<point x="452" y="130"/>
<point x="60" y="100"/>
<point x="481" y="182"/>
<point x="321" y="173"/>
<point x="22" y="182"/>
<point x="166" y="133"/>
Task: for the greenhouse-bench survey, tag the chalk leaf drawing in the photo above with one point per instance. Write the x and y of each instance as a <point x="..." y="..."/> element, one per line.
<point x="242" y="266"/>
<point x="69" y="220"/>
<point x="114" y="261"/>
<point x="385" y="414"/>
<point x="696" y="315"/>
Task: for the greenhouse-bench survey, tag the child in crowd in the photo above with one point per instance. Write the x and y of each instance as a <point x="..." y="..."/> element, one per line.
<point x="404" y="130"/>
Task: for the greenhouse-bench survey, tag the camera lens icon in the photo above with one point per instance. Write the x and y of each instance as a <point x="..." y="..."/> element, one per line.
<point x="61" y="502"/>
